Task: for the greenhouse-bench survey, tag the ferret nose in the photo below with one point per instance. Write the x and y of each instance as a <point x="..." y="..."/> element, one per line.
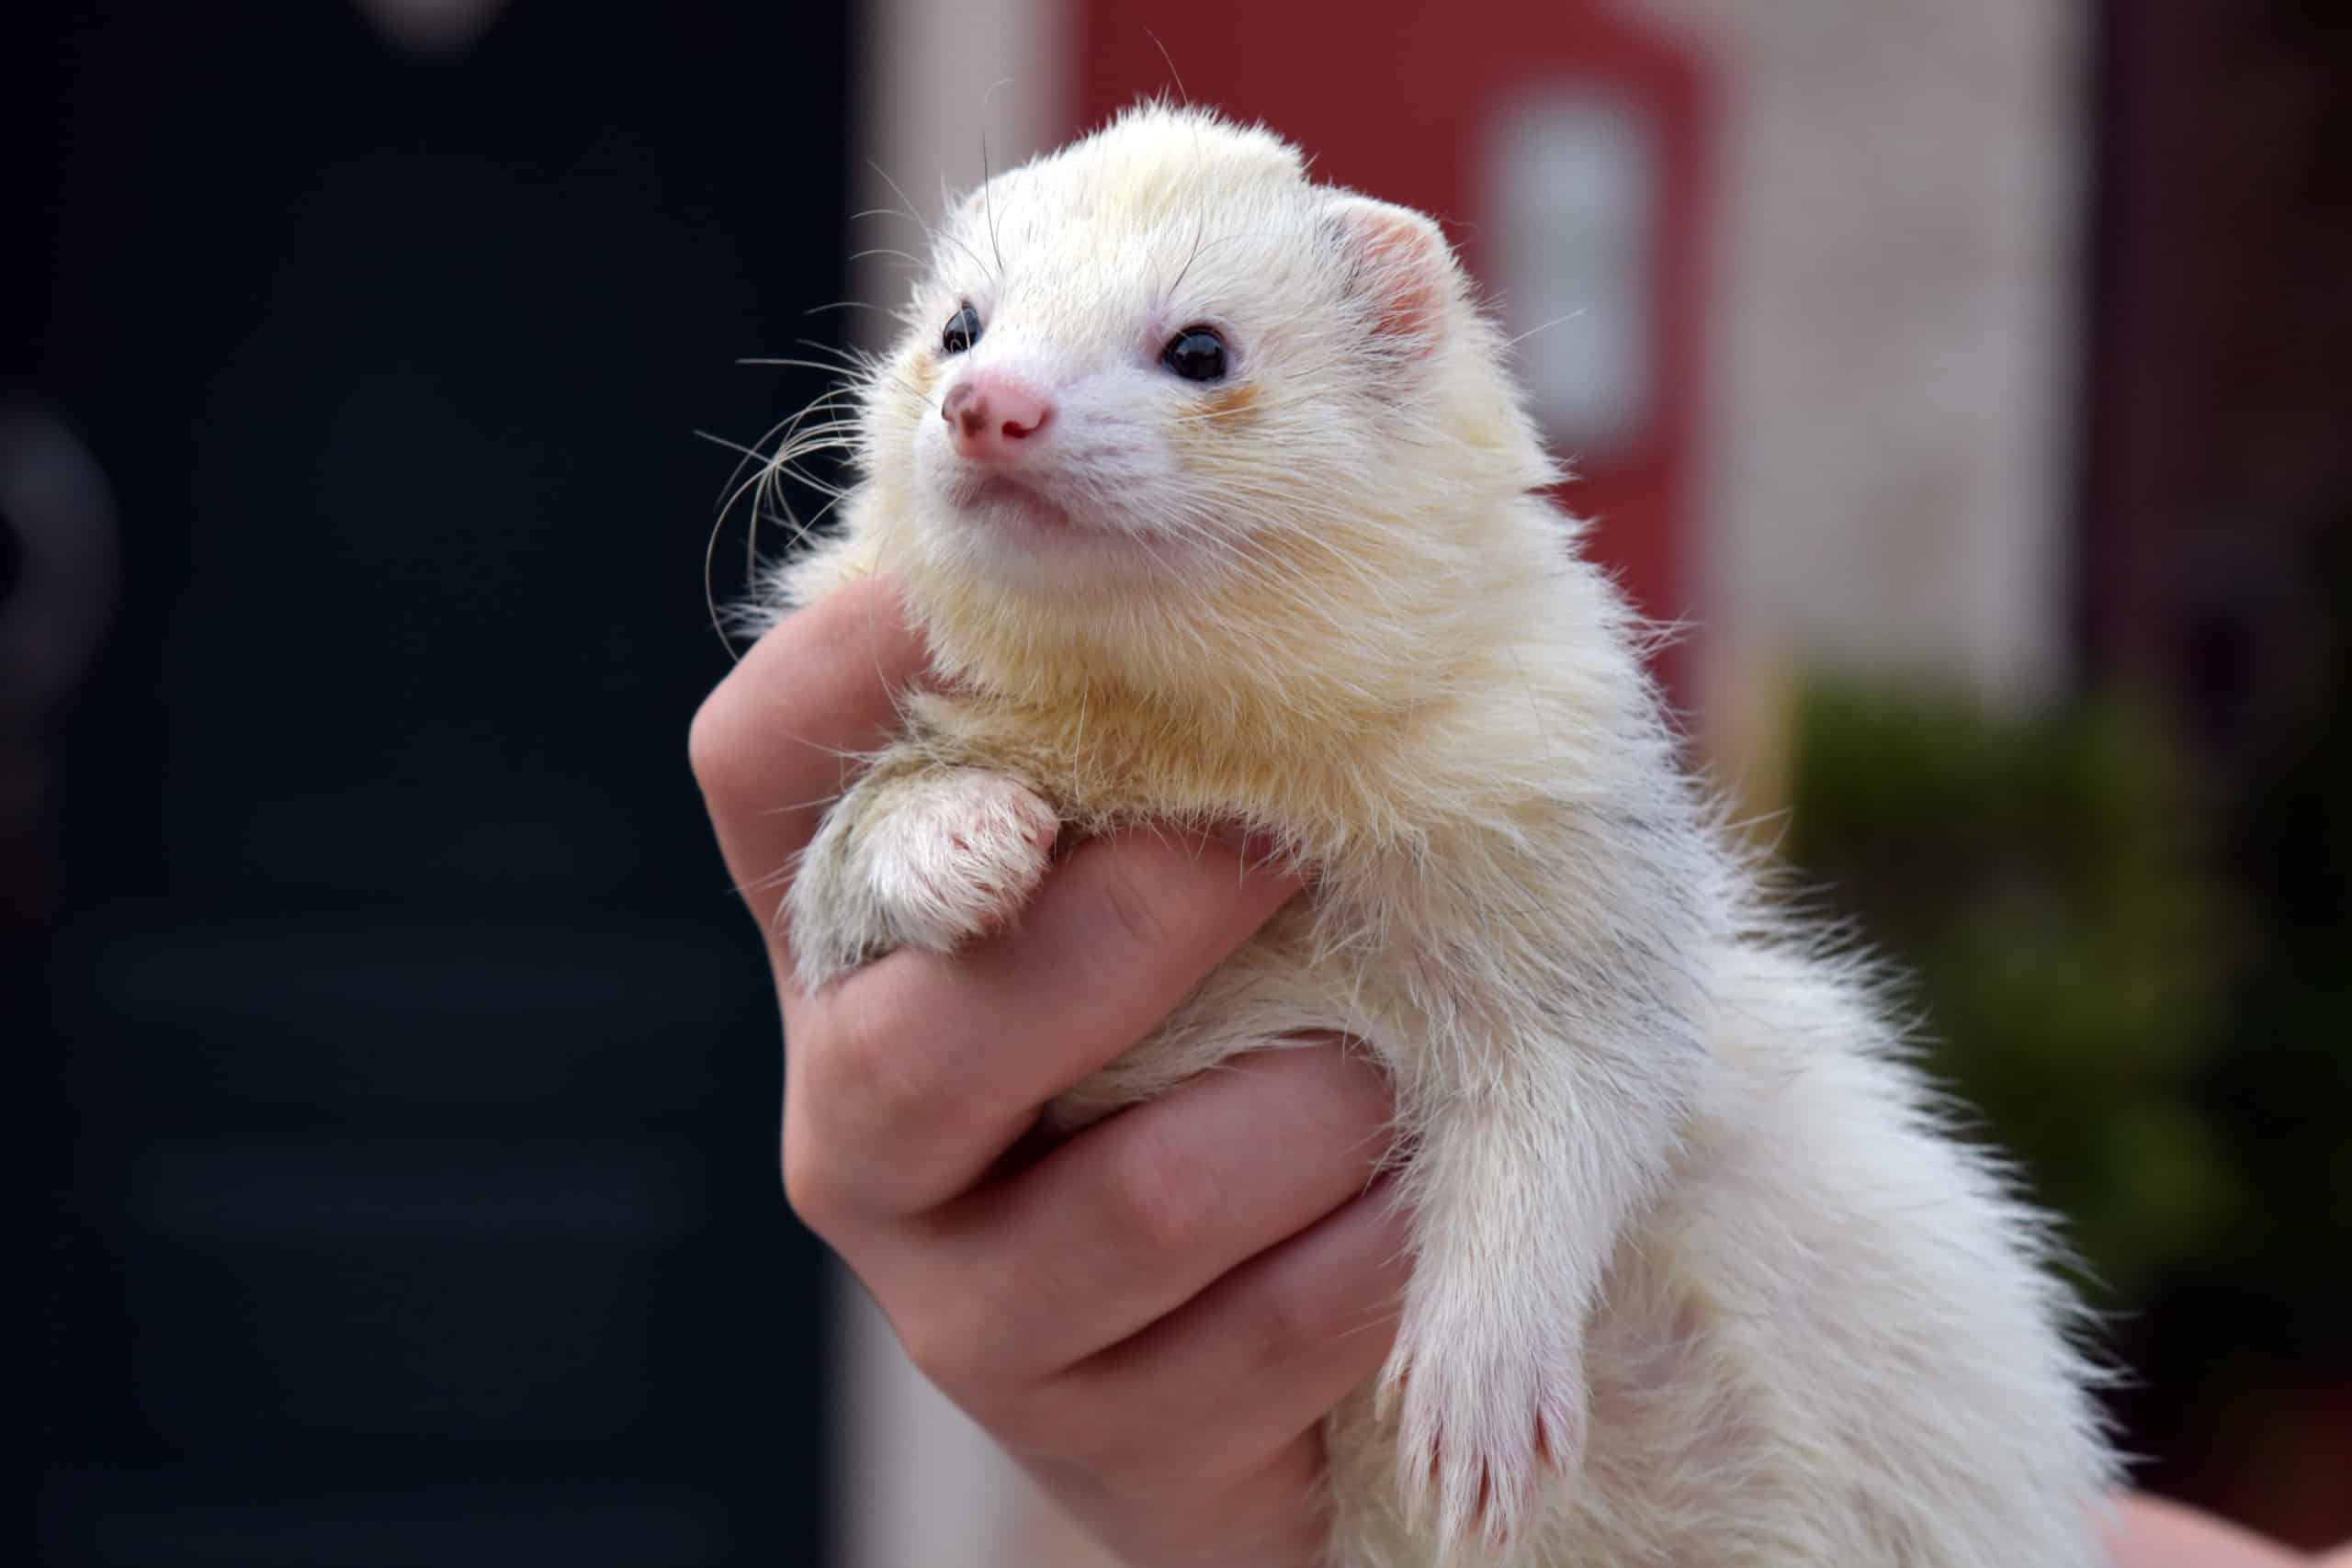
<point x="990" y="416"/>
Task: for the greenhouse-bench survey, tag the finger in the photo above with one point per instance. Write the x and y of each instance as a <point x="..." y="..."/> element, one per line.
<point x="778" y="739"/>
<point x="1130" y="1220"/>
<point x="913" y="1076"/>
<point x="1278" y="1517"/>
<point x="1213" y="1392"/>
<point x="2150" y="1532"/>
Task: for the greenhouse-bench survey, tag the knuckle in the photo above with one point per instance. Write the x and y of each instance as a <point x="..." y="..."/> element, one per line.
<point x="812" y="1181"/>
<point x="1158" y="1194"/>
<point x="869" y="1082"/>
<point x="1115" y="1438"/>
<point x="1296" y="1313"/>
<point x="1124" y="1462"/>
<point x="1017" y="1413"/>
<point x="939" y="1339"/>
<point x="876" y="1073"/>
<point x="717" y="745"/>
<point x="1036" y="1421"/>
<point x="1080" y="1431"/>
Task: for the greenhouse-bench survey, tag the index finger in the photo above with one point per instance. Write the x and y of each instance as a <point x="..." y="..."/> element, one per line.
<point x="780" y="737"/>
<point x="916" y="1073"/>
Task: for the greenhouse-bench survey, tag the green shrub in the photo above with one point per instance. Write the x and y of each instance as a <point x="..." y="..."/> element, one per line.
<point x="2029" y="878"/>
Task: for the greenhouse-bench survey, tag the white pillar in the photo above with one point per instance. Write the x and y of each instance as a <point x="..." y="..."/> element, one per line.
<point x="919" y="1483"/>
<point x="935" y="79"/>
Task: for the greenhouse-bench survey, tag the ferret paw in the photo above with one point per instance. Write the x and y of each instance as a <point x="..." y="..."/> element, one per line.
<point x="1488" y="1411"/>
<point x="932" y="861"/>
<point x="959" y="857"/>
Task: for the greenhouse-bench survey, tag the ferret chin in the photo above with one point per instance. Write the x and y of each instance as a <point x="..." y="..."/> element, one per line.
<point x="1211" y="492"/>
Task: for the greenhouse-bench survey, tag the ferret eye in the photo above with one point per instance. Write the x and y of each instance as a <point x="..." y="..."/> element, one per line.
<point x="1197" y="354"/>
<point x="963" y="331"/>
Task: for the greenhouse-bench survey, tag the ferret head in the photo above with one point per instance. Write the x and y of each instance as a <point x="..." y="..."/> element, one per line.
<point x="1167" y="413"/>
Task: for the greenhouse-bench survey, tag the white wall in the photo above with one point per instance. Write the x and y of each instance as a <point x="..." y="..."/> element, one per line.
<point x="936" y="79"/>
<point x="1894" y="335"/>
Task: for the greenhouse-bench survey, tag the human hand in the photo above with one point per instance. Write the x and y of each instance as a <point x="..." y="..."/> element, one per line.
<point x="1154" y="1316"/>
<point x="2151" y="1532"/>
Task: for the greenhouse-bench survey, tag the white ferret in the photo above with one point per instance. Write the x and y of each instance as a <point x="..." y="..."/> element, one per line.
<point x="1211" y="492"/>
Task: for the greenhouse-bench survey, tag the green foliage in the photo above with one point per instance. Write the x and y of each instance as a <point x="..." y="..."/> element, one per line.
<point x="2136" y="965"/>
<point x="2030" y="877"/>
<point x="2144" y="987"/>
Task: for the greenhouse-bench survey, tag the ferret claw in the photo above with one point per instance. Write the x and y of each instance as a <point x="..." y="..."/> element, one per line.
<point x="1478" y="1438"/>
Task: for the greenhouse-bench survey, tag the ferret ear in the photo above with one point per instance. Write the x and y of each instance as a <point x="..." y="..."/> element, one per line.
<point x="1400" y="263"/>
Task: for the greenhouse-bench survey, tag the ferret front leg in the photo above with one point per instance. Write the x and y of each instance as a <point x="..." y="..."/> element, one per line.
<point x="1532" y="1153"/>
<point x="917" y="855"/>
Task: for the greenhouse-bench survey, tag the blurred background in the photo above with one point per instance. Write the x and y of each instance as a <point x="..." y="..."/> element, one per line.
<point x="1971" y="379"/>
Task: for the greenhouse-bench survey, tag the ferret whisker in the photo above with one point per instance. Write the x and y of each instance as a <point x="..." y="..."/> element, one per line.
<point x="825" y="487"/>
<point x="826" y="366"/>
<point x="855" y="359"/>
<point x="1199" y="250"/>
<point x="710" y="588"/>
<point x="758" y="484"/>
<point x="936" y="234"/>
<point x="847" y="305"/>
<point x="802" y="529"/>
<point x="1169" y="61"/>
<point x="864" y="370"/>
<point x="1544" y="327"/>
<point x="831" y="426"/>
<point x="1200" y="232"/>
<point x="988" y="178"/>
<point x="751" y="453"/>
<point x="823" y="749"/>
<point x="794" y="421"/>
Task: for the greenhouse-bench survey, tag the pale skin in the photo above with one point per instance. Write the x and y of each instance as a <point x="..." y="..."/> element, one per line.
<point x="1153" y="1317"/>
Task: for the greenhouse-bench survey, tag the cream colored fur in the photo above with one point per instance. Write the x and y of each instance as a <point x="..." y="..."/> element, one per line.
<point x="1700" y="1278"/>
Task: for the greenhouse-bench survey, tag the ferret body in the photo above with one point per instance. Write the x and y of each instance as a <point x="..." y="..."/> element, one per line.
<point x="1208" y="489"/>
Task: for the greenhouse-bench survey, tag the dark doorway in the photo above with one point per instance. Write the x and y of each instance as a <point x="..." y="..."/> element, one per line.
<point x="403" y="1080"/>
